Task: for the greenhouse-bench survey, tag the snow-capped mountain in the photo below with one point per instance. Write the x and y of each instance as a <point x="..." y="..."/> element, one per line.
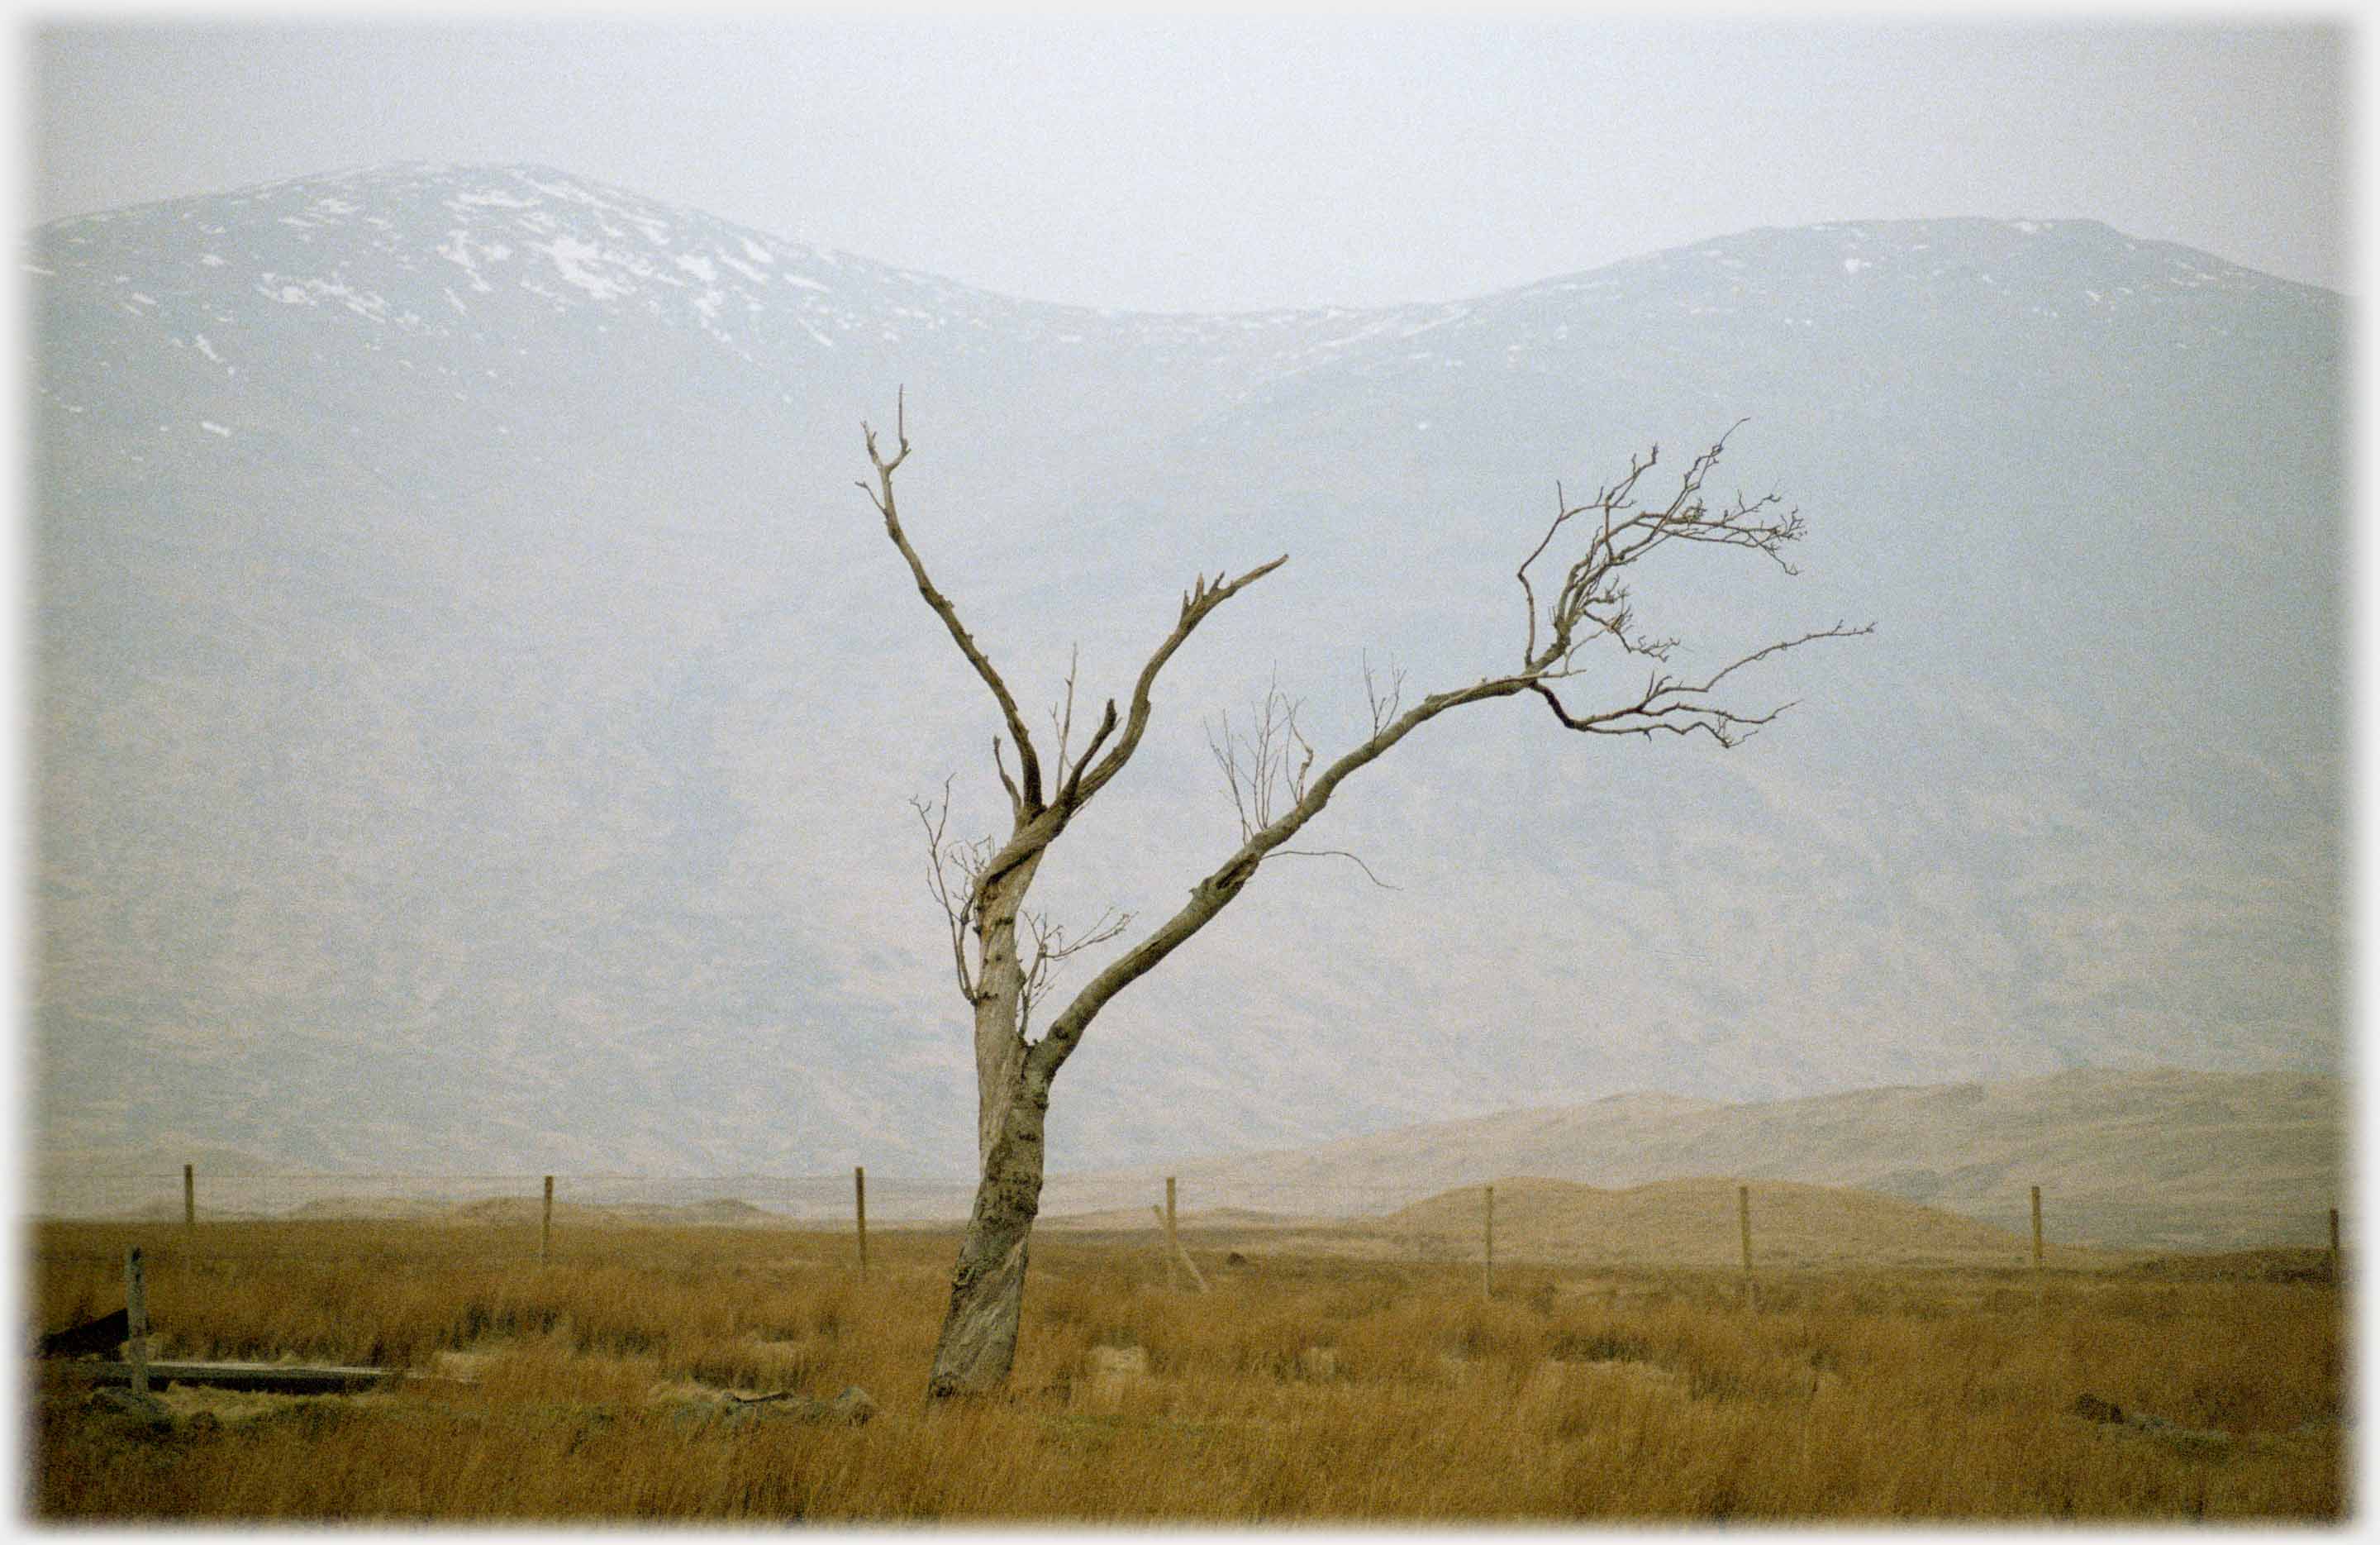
<point x="475" y="713"/>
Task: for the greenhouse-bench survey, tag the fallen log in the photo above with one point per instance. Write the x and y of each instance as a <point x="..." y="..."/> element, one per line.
<point x="264" y="1377"/>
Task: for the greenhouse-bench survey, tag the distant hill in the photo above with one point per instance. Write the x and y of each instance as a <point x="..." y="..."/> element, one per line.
<point x="2159" y="1159"/>
<point x="528" y="1211"/>
<point x="1694" y="1222"/>
<point x="1669" y="1222"/>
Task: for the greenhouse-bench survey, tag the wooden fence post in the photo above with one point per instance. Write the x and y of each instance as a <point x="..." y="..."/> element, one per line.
<point x="189" y="1199"/>
<point x="860" y="1210"/>
<point x="136" y="1314"/>
<point x="1487" y="1247"/>
<point x="545" y="1228"/>
<point x="1743" y="1226"/>
<point x="2040" y="1271"/>
<point x="1173" y="1240"/>
<point x="2335" y="1279"/>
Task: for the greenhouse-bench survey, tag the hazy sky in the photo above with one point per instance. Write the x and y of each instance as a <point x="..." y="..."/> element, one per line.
<point x="1196" y="164"/>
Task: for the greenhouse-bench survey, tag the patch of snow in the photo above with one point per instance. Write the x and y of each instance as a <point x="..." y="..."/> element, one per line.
<point x="570" y="256"/>
<point x="701" y="268"/>
<point x="36" y="268"/>
<point x="1853" y="265"/>
<point x="213" y="428"/>
<point x="757" y="253"/>
<point x="457" y="250"/>
<point x="568" y="190"/>
<point x="2029" y="227"/>
<point x="210" y="259"/>
<point x="463" y="203"/>
<point x="199" y="342"/>
<point x="800" y="283"/>
<point x="745" y="269"/>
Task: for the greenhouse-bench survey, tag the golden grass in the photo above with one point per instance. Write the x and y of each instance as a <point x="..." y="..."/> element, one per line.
<point x="1300" y="1389"/>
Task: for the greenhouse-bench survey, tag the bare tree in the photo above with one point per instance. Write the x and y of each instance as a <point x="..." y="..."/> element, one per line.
<point x="1003" y="952"/>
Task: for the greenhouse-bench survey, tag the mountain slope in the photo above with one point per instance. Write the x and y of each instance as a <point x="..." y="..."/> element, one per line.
<point x="475" y="714"/>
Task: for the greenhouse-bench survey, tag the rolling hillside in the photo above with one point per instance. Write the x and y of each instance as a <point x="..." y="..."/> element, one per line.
<point x="2136" y="1161"/>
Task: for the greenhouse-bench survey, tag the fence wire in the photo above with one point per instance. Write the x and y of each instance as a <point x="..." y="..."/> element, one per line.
<point x="1424" y="1219"/>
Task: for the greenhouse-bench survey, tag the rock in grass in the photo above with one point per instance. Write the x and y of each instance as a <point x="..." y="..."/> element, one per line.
<point x="850" y="1408"/>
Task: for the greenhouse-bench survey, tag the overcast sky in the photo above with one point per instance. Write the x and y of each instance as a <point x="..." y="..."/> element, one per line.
<point x="1194" y="165"/>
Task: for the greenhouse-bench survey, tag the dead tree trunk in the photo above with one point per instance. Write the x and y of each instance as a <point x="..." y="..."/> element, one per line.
<point x="978" y="1341"/>
<point x="1004" y="953"/>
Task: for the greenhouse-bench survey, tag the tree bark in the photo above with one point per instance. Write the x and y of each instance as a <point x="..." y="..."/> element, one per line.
<point x="978" y="1341"/>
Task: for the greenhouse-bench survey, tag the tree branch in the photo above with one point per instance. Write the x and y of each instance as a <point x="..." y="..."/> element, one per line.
<point x="1197" y="605"/>
<point x="1334" y="853"/>
<point x="1220" y="888"/>
<point x="942" y="858"/>
<point x="1051" y="947"/>
<point x="1029" y="766"/>
<point x="1672" y="707"/>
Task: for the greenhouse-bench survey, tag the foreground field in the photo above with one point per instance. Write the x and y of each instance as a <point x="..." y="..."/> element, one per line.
<point x="1300" y="1388"/>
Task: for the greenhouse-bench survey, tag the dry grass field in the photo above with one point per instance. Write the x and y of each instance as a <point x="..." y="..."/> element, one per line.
<point x="1304" y="1387"/>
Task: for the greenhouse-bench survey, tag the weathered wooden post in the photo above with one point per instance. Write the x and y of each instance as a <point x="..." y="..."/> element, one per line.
<point x="136" y="1314"/>
<point x="1743" y="1226"/>
<point x="1487" y="1247"/>
<point x="2335" y="1279"/>
<point x="1173" y="1240"/>
<point x="2040" y="1272"/>
<point x="189" y="1199"/>
<point x="545" y="1228"/>
<point x="859" y="1208"/>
